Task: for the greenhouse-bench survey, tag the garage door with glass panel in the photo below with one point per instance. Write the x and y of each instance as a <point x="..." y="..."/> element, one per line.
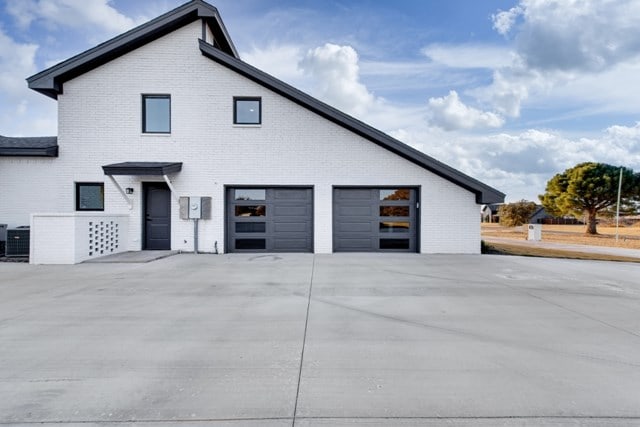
<point x="375" y="219"/>
<point x="269" y="219"/>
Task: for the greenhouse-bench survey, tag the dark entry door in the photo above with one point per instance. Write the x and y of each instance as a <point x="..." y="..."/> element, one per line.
<point x="157" y="216"/>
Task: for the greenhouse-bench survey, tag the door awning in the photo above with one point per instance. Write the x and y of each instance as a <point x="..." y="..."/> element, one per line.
<point x="142" y="168"/>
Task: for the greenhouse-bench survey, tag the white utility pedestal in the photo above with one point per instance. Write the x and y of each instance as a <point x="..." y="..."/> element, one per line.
<point x="535" y="232"/>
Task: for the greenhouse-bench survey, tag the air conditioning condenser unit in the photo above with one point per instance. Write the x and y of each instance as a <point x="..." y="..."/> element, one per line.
<point x="17" y="242"/>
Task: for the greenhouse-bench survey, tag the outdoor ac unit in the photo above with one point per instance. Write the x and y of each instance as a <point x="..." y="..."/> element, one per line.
<point x="17" y="242"/>
<point x="3" y="237"/>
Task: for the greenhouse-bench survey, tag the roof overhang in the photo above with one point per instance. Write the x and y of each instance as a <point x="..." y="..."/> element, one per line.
<point x="29" y="146"/>
<point x="142" y="168"/>
<point x="29" y="152"/>
<point x="483" y="193"/>
<point x="50" y="81"/>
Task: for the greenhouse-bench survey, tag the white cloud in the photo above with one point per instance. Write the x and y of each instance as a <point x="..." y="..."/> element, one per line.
<point x="578" y="35"/>
<point x="503" y="21"/>
<point x="520" y="164"/>
<point x="562" y="43"/>
<point x="469" y="55"/>
<point x="83" y="14"/>
<point x="281" y="61"/>
<point x="17" y="60"/>
<point x="22" y="111"/>
<point x="450" y="113"/>
<point x="335" y="71"/>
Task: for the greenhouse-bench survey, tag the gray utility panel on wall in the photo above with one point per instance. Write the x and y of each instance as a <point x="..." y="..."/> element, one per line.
<point x="195" y="207"/>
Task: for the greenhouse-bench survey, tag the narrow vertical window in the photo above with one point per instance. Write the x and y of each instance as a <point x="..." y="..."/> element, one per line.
<point x="89" y="196"/>
<point x="247" y="111"/>
<point x="156" y="113"/>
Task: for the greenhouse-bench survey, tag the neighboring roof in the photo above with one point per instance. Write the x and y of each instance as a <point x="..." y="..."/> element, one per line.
<point x="50" y="81"/>
<point x="483" y="192"/>
<point x="142" y="168"/>
<point x="40" y="146"/>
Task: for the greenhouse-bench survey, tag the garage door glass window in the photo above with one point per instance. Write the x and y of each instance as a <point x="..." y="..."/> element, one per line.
<point x="156" y="113"/>
<point x="395" y="194"/>
<point x="394" y="227"/>
<point x="247" y="111"/>
<point x="89" y="196"/>
<point x="394" y="210"/>
<point x="260" y="210"/>
<point x="250" y="194"/>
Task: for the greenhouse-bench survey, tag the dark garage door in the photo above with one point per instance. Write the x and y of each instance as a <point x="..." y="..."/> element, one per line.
<point x="269" y="219"/>
<point x="375" y="219"/>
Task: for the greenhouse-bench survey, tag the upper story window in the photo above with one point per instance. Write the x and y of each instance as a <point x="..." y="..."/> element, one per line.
<point x="156" y="113"/>
<point x="247" y="111"/>
<point x="89" y="196"/>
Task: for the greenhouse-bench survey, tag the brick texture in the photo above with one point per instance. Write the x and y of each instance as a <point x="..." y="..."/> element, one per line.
<point x="99" y="118"/>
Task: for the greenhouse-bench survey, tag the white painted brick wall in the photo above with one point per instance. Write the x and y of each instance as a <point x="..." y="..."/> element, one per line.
<point x="70" y="238"/>
<point x="100" y="123"/>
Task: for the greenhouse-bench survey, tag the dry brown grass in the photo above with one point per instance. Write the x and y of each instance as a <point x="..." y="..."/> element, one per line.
<point x="629" y="237"/>
<point x="519" y="250"/>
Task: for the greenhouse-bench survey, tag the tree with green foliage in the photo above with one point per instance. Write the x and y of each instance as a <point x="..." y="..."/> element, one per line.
<point x="587" y="189"/>
<point x="515" y="214"/>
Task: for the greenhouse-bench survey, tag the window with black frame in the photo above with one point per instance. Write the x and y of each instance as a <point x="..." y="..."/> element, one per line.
<point x="156" y="113"/>
<point x="89" y="196"/>
<point x="247" y="111"/>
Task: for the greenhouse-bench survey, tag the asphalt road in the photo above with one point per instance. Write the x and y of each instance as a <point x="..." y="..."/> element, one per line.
<point x="321" y="340"/>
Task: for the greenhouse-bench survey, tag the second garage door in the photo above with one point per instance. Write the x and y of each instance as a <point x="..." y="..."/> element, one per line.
<point x="375" y="219"/>
<point x="269" y="219"/>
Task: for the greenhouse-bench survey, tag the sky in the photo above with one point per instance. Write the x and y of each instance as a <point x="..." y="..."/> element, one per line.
<point x="509" y="92"/>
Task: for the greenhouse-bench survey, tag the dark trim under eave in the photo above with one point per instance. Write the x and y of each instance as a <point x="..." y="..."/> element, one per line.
<point x="29" y="152"/>
<point x="484" y="193"/>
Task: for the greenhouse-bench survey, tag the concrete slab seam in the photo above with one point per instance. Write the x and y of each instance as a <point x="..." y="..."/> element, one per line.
<point x="304" y="340"/>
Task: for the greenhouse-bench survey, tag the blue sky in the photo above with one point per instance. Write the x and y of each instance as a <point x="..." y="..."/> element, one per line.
<point x="508" y="91"/>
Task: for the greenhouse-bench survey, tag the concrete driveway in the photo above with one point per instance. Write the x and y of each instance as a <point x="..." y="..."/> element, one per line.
<point x="321" y="340"/>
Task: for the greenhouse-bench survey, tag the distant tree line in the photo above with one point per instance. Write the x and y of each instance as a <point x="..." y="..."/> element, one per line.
<point x="585" y="190"/>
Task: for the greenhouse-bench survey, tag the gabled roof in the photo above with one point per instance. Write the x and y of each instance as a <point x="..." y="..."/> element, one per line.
<point x="39" y="146"/>
<point x="50" y="81"/>
<point x="483" y="192"/>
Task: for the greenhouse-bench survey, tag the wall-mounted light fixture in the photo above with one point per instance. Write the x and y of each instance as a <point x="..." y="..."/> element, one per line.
<point x="129" y="190"/>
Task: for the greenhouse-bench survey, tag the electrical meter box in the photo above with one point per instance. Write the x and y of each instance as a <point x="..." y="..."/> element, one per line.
<point x="195" y="207"/>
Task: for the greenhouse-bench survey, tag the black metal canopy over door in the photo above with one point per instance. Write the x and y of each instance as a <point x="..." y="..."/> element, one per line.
<point x="157" y="216"/>
<point x="263" y="219"/>
<point x="375" y="220"/>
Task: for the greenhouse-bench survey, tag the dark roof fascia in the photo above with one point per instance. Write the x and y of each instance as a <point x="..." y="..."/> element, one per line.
<point x="50" y="81"/>
<point x="38" y="146"/>
<point x="142" y="168"/>
<point x="29" y="152"/>
<point x="483" y="192"/>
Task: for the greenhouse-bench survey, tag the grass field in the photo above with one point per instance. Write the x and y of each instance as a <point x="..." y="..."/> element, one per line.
<point x="629" y="237"/>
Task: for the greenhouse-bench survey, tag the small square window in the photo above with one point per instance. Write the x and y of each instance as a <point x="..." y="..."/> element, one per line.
<point x="156" y="113"/>
<point x="89" y="196"/>
<point x="247" y="111"/>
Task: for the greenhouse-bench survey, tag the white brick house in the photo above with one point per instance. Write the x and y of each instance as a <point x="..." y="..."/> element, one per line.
<point x="171" y="103"/>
